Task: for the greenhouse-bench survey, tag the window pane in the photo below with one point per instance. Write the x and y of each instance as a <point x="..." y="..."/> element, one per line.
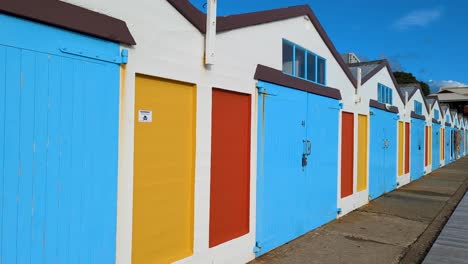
<point x="300" y="63"/>
<point x="287" y="58"/>
<point x="311" y="70"/>
<point x="321" y="71"/>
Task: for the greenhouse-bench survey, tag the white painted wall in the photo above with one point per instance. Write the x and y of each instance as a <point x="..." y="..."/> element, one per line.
<point x="169" y="46"/>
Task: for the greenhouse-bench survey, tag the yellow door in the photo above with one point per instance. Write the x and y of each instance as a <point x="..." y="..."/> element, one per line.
<point x="362" y="153"/>
<point x="401" y="141"/>
<point x="163" y="170"/>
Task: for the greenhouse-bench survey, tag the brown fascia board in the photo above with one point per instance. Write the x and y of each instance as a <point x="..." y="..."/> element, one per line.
<point x="383" y="63"/>
<point x="417" y="116"/>
<point x="226" y="23"/>
<point x="267" y="74"/>
<point x="378" y="105"/>
<point x="436" y="121"/>
<point x="70" y="17"/>
<point x="448" y="124"/>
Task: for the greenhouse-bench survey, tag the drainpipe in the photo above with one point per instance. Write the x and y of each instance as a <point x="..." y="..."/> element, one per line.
<point x="210" y="41"/>
<point x="406" y="102"/>
<point x="358" y="86"/>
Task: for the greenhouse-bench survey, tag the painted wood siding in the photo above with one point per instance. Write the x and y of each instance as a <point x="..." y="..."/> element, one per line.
<point x="230" y="166"/>
<point x="59" y="143"/>
<point x="164" y="164"/>
<point x="363" y="144"/>
<point x="407" y="147"/>
<point x="401" y="143"/>
<point x="347" y="154"/>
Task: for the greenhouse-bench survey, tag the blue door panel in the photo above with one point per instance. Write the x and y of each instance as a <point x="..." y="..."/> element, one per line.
<point x="59" y="125"/>
<point x="383" y="153"/>
<point x="11" y="161"/>
<point x="435" y="146"/>
<point x="281" y="123"/>
<point x="417" y="148"/>
<point x="447" y="145"/>
<point x="292" y="199"/>
<point x="322" y="167"/>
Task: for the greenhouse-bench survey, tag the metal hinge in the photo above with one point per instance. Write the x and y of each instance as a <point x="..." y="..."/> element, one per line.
<point x="122" y="59"/>
<point x="257" y="248"/>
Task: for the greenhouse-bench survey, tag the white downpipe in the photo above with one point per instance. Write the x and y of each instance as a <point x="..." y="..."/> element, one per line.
<point x="357" y="97"/>
<point x="210" y="40"/>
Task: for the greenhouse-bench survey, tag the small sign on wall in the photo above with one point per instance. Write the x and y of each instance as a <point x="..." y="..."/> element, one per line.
<point x="145" y="116"/>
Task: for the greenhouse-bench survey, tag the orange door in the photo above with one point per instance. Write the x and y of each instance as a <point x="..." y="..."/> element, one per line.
<point x="230" y="166"/>
<point x="347" y="154"/>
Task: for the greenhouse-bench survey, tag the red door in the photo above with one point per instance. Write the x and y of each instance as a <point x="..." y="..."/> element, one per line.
<point x="230" y="166"/>
<point x="407" y="147"/>
<point x="347" y="154"/>
<point x="426" y="146"/>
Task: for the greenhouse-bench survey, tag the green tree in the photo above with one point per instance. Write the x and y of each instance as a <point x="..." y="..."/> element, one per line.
<point x="407" y="77"/>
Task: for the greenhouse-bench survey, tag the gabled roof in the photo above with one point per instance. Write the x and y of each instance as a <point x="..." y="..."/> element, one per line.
<point x="371" y="68"/>
<point x="411" y="89"/>
<point x="226" y="23"/>
<point x="70" y="17"/>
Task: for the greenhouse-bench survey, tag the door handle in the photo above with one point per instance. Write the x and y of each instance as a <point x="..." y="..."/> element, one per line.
<point x="307" y="147"/>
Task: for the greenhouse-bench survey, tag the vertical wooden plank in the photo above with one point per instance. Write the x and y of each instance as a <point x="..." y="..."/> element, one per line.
<point x="407" y="147"/>
<point x="108" y="77"/>
<point x="53" y="160"/>
<point x="65" y="174"/>
<point x="11" y="161"/>
<point x="347" y="154"/>
<point x="230" y="166"/>
<point x="25" y="183"/>
<point x="163" y="171"/>
<point x="40" y="156"/>
<point x="362" y="152"/>
<point x="78" y="158"/>
<point x="401" y="153"/>
<point x="2" y="134"/>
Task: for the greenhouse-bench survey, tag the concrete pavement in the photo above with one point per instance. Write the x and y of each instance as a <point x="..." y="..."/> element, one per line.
<point x="399" y="227"/>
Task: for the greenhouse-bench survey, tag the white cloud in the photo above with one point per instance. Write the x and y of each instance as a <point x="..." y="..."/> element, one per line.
<point x="418" y="18"/>
<point x="437" y="85"/>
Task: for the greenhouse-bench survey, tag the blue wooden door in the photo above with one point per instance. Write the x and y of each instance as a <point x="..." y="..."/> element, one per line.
<point x="448" y="152"/>
<point x="382" y="156"/>
<point x="417" y="148"/>
<point x="281" y="179"/>
<point x="435" y="146"/>
<point x="294" y="197"/>
<point x="322" y="163"/>
<point x="58" y="147"/>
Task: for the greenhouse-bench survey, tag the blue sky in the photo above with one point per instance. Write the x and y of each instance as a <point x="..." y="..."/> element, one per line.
<point x="428" y="38"/>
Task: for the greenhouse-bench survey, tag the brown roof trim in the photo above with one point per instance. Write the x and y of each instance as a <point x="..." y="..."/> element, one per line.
<point x="436" y="121"/>
<point x="70" y="17"/>
<point x="448" y="124"/>
<point x="417" y="116"/>
<point x="226" y="23"/>
<point x="271" y="75"/>
<point x="378" y="105"/>
<point x="384" y="63"/>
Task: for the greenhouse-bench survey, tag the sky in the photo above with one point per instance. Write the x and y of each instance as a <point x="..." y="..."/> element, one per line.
<point x="428" y="38"/>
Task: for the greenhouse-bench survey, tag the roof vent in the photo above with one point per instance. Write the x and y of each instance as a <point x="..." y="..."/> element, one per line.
<point x="350" y="58"/>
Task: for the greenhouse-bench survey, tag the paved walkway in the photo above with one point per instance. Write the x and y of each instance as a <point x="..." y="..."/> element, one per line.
<point x="451" y="246"/>
<point x="399" y="227"/>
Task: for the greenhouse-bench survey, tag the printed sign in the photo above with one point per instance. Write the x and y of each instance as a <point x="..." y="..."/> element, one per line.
<point x="145" y="116"/>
